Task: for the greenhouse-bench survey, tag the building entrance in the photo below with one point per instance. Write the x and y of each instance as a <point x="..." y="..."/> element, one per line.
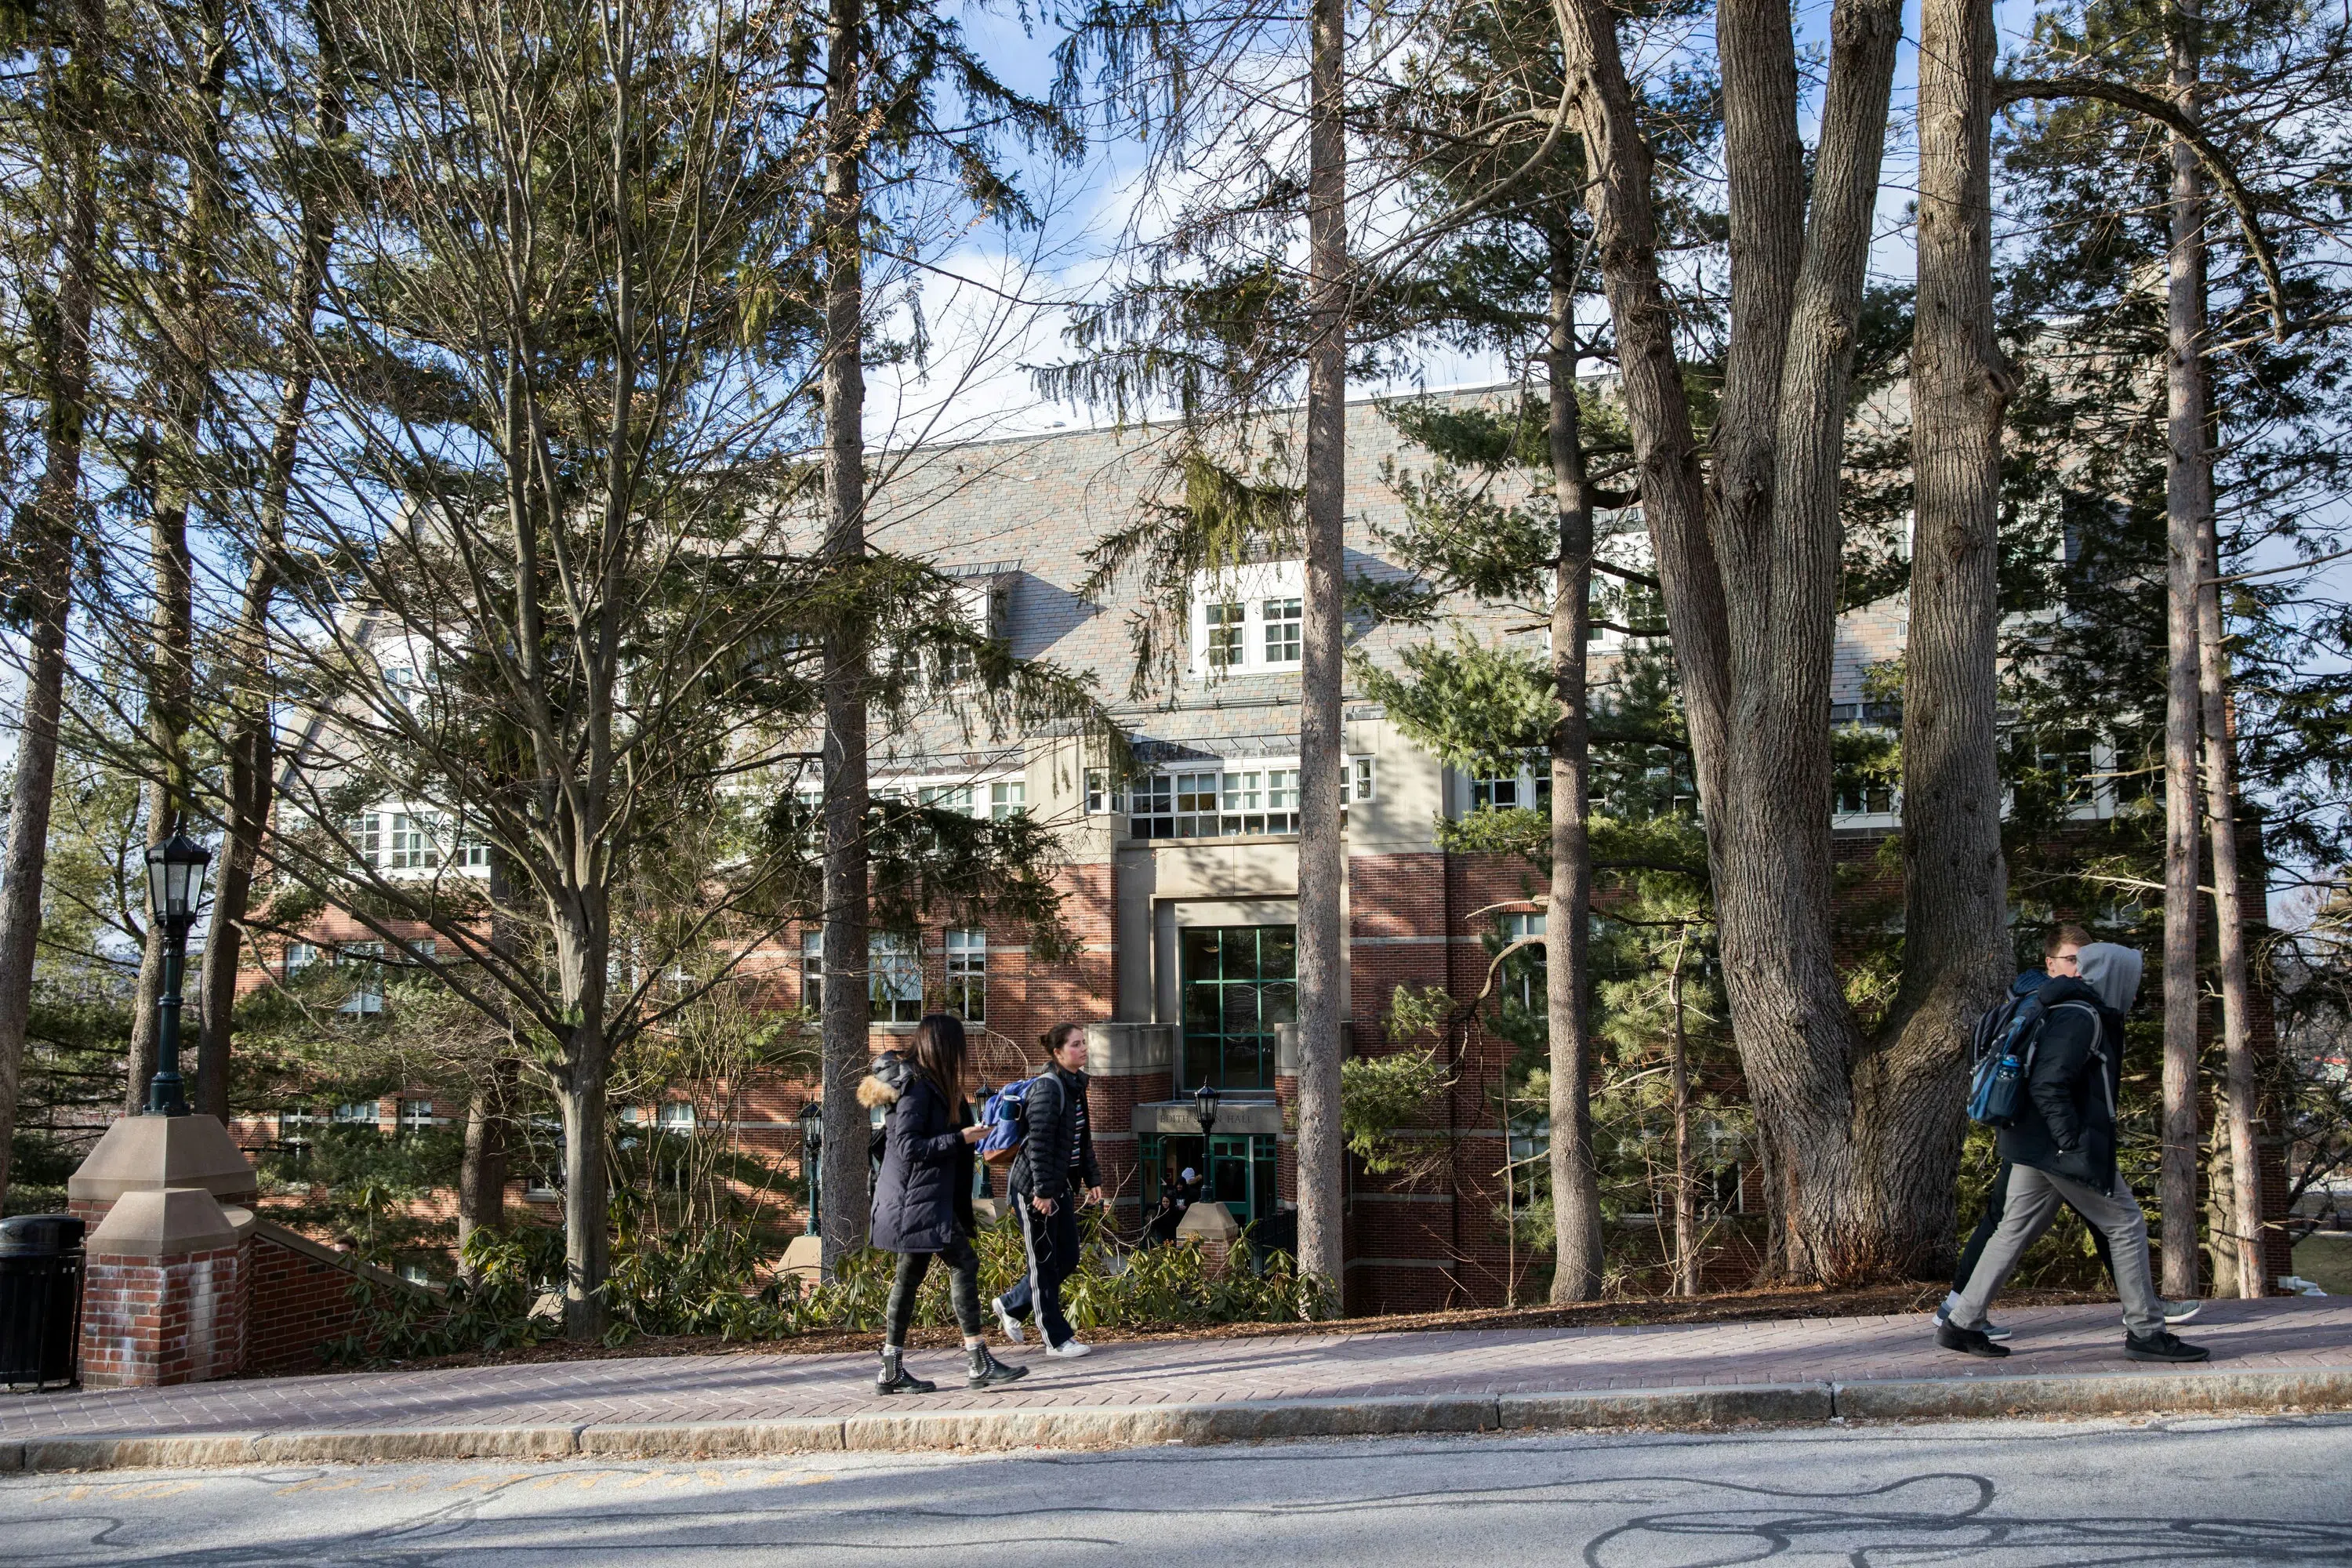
<point x="1238" y="1173"/>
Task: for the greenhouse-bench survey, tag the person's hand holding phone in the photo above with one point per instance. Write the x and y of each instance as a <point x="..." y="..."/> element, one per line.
<point x="974" y="1134"/>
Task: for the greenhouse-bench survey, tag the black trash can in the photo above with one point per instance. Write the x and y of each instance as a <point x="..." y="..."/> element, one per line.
<point x="40" y="1299"/>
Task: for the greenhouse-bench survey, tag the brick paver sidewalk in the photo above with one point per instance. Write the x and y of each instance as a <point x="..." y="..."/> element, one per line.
<point x="2292" y="1335"/>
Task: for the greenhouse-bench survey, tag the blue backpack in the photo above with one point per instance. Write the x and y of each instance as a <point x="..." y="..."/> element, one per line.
<point x="1007" y="1117"/>
<point x="2003" y="1045"/>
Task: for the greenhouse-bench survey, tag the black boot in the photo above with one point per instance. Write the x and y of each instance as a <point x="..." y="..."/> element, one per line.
<point x="986" y="1369"/>
<point x="894" y="1378"/>
<point x="2162" y="1346"/>
<point x="1968" y="1342"/>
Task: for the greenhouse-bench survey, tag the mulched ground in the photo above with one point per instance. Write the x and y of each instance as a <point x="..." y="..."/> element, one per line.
<point x="1728" y="1307"/>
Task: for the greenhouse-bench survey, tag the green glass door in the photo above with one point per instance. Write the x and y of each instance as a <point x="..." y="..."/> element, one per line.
<point x="1240" y="984"/>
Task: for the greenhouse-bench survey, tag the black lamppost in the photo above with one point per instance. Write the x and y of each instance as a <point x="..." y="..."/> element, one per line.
<point x="812" y="1144"/>
<point x="1204" y="1106"/>
<point x="175" y="885"/>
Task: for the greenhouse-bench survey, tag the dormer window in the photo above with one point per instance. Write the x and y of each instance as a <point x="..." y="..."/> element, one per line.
<point x="1284" y="622"/>
<point x="1249" y="619"/>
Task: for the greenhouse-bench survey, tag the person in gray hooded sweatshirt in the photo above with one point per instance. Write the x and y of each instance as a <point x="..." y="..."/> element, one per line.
<point x="2062" y="1149"/>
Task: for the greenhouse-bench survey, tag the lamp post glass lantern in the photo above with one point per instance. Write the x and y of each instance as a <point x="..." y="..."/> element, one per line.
<point x="1204" y="1106"/>
<point x="176" y="887"/>
<point x="812" y="1144"/>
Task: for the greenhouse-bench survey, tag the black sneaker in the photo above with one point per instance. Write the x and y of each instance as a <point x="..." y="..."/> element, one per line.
<point x="2163" y="1346"/>
<point x="1968" y="1342"/>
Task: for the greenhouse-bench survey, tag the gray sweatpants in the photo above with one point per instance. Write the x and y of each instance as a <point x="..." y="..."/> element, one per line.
<point x="2033" y="1199"/>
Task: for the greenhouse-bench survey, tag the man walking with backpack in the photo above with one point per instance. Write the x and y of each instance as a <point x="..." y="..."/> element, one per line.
<point x="1055" y="1166"/>
<point x="2062" y="952"/>
<point x="2061" y="1145"/>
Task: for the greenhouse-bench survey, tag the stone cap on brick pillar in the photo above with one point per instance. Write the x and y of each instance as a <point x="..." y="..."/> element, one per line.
<point x="149" y="1154"/>
<point x="171" y="1222"/>
<point x="1209" y="1221"/>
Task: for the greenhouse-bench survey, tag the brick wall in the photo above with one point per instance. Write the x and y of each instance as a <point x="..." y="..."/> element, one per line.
<point x="301" y="1299"/>
<point x="148" y="1321"/>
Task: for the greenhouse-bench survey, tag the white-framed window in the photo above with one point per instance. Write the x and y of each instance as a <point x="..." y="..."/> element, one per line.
<point x="365" y="832"/>
<point x="415" y="842"/>
<point x="1361" y="778"/>
<point x="1235" y="799"/>
<point x="417" y="1274"/>
<point x="675" y="1116"/>
<point x="1104" y="794"/>
<point x="415" y="1114"/>
<point x="812" y="970"/>
<point x="1008" y="799"/>
<point x="1175" y="806"/>
<point x="1284" y="622"/>
<point x="1528" y="786"/>
<point x="967" y="971"/>
<point x="1228" y="630"/>
<point x="1260" y="800"/>
<point x="356" y="1113"/>
<point x="1249" y="618"/>
<point x="366" y="959"/>
<point x="957" y="799"/>
<point x="894" y="979"/>
<point x="1522" y="978"/>
<point x="300" y="956"/>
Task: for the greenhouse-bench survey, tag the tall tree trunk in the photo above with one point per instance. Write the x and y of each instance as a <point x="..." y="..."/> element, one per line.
<point x="1686" y="1183"/>
<point x="250" y="742"/>
<point x="1753" y="618"/>
<point x="2187" y="487"/>
<point x="1956" y="885"/>
<point x="845" y="893"/>
<point x="2241" y="1106"/>
<point x="1322" y="855"/>
<point x="185" y="321"/>
<point x="482" y="1172"/>
<point x="45" y="540"/>
<point x="1575" y="1182"/>
<point x="2222" y="1214"/>
<point x="584" y="950"/>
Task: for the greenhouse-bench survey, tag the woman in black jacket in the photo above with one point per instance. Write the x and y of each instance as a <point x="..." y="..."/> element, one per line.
<point x="922" y="1206"/>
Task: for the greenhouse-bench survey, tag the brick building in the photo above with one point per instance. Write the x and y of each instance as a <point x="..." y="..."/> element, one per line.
<point x="1180" y="884"/>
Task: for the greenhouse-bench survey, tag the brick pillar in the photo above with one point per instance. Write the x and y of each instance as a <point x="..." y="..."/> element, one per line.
<point x="163" y="1296"/>
<point x="166" y="1282"/>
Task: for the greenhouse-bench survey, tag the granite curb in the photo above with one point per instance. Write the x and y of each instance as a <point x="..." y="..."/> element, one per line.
<point x="1240" y="1421"/>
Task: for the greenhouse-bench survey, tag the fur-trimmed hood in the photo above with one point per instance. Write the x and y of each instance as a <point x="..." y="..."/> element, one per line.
<point x="884" y="1081"/>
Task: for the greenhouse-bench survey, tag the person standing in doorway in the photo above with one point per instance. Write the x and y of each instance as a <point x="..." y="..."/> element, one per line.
<point x="922" y="1205"/>
<point x="1053" y="1171"/>
<point x="2061" y="1149"/>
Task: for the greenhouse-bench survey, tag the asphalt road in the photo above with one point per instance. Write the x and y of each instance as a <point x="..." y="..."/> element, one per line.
<point x="2160" y="1492"/>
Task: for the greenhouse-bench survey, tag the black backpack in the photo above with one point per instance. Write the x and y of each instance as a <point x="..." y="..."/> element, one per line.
<point x="2002" y="1055"/>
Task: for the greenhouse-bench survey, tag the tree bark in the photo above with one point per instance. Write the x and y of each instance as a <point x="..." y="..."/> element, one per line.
<point x="2241" y="1101"/>
<point x="844" y="1021"/>
<point x="482" y="1173"/>
<point x="250" y="742"/>
<point x="1955" y="884"/>
<point x="186" y="338"/>
<point x="1322" y="854"/>
<point x="45" y="542"/>
<point x="2188" y="496"/>
<point x="583" y="951"/>
<point x="1752" y="645"/>
<point x="1685" y="1186"/>
<point x="1575" y="1182"/>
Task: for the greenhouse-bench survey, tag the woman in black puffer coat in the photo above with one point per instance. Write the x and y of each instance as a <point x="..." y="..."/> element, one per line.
<point x="922" y="1205"/>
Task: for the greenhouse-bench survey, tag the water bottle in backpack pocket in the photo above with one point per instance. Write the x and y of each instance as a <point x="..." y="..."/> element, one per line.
<point x="1007" y="1117"/>
<point x="2003" y="1044"/>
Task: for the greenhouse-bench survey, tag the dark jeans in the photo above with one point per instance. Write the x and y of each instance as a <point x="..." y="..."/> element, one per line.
<point x="1053" y="1258"/>
<point x="963" y="1289"/>
<point x="1996" y="1205"/>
